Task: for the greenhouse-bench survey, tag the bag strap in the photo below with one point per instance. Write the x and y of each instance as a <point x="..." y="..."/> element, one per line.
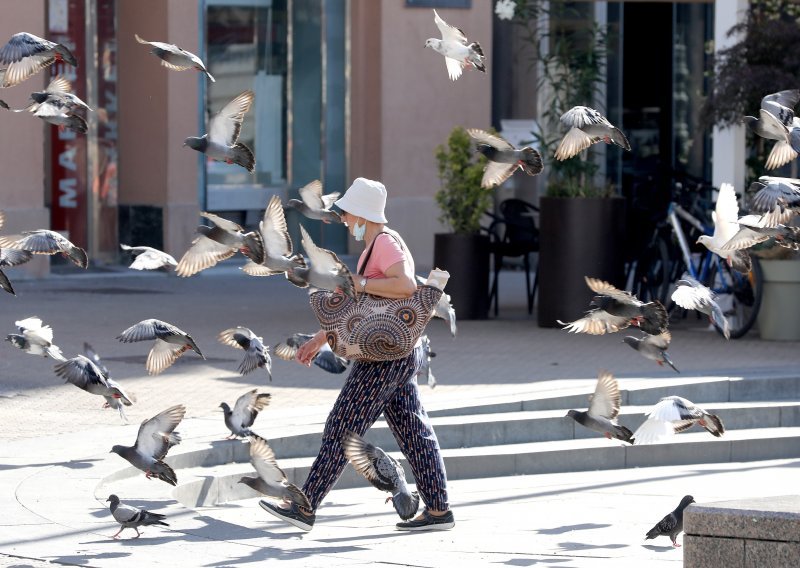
<point x="369" y="253"/>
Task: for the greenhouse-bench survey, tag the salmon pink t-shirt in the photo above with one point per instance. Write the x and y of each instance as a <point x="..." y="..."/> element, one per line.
<point x="386" y="251"/>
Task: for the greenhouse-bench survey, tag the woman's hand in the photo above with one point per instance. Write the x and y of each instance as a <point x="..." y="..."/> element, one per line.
<point x="305" y="355"/>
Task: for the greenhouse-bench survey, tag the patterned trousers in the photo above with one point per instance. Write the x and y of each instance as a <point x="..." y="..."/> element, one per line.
<point x="388" y="387"/>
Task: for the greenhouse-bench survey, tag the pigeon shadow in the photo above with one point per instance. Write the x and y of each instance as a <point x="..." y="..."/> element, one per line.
<point x="573" y="546"/>
<point x="268" y="553"/>
<point x="72" y="464"/>
<point x="532" y="561"/>
<point x="215" y="529"/>
<point x="570" y="528"/>
<point x="80" y="559"/>
<point x="655" y="548"/>
<point x="393" y="534"/>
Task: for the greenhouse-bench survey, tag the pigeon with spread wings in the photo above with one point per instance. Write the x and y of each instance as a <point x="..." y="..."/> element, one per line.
<point x="10" y="258"/>
<point x="672" y="415"/>
<point x="221" y="143"/>
<point x="86" y="375"/>
<point x="653" y="347"/>
<point x="43" y="241"/>
<point x="458" y="54"/>
<point x="218" y="243"/>
<point x="256" y="354"/>
<point x="170" y="343"/>
<point x="35" y="338"/>
<point x="314" y="205"/>
<point x="325" y="270"/>
<point x="776" y="121"/>
<point x="26" y="54"/>
<point x="148" y="258"/>
<point x="587" y="127"/>
<point x="270" y="479"/>
<point x="244" y="412"/>
<point x="603" y="410"/>
<point x="173" y="57"/>
<point x="503" y="158"/>
<point x="726" y="225"/>
<point x="692" y="295"/>
<point x="325" y="358"/>
<point x="279" y="256"/>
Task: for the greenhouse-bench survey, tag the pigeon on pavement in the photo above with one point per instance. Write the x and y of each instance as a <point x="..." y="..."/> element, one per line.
<point x="458" y="54"/>
<point x="444" y="309"/>
<point x="726" y="225"/>
<point x="326" y="271"/>
<point x="86" y="375"/>
<point x="270" y="479"/>
<point x="325" y="358"/>
<point x="653" y="347"/>
<point x="26" y="54"/>
<point x="147" y="258"/>
<point x="170" y="343"/>
<point x="587" y="127"/>
<point x="425" y="373"/>
<point x="173" y="57"/>
<point x="672" y="524"/>
<point x="133" y="517"/>
<point x="382" y="471"/>
<point x="43" y="241"/>
<point x="691" y="295"/>
<point x="244" y="412"/>
<point x="314" y="205"/>
<point x="603" y="410"/>
<point x="503" y="158"/>
<point x="776" y="122"/>
<point x="217" y="243"/>
<point x="154" y="439"/>
<point x="221" y="143"/>
<point x="35" y="338"/>
<point x="9" y="258"/>
<point x="672" y="415"/>
<point x="256" y="353"/>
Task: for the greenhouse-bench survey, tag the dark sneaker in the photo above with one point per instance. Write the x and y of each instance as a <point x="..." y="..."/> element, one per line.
<point x="429" y="523"/>
<point x="292" y="515"/>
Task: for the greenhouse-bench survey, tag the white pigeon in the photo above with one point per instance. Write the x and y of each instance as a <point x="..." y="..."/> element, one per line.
<point x="672" y="415"/>
<point x="726" y="225"/>
<point x="173" y="57"/>
<point x="458" y="54"/>
<point x="444" y="309"/>
<point x="692" y="295"/>
<point x="148" y="258"/>
<point x="35" y="338"/>
<point x="586" y="127"/>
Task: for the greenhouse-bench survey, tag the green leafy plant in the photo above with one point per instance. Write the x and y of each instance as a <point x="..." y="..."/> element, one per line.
<point x="461" y="198"/>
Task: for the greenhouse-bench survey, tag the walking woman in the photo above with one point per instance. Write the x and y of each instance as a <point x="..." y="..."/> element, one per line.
<point x="372" y="388"/>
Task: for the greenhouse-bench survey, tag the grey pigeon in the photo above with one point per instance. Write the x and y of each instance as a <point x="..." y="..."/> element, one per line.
<point x="59" y="89"/>
<point x="133" y="517"/>
<point x="613" y="309"/>
<point x="776" y="121"/>
<point x="55" y="111"/>
<point x="148" y="258"/>
<point x="692" y="295"/>
<point x="4" y="104"/>
<point x="603" y="410"/>
<point x="672" y="524"/>
<point x="777" y="199"/>
<point x="672" y="415"/>
<point x="444" y="309"/>
<point x="425" y="373"/>
<point x="156" y="436"/>
<point x="326" y="271"/>
<point x="222" y="141"/>
<point x="35" y="338"/>
<point x="271" y="481"/>
<point x="586" y="127"/>
<point x="503" y="158"/>
<point x="26" y="54"/>
<point x="173" y="57"/>
<point x="279" y="257"/>
<point x="43" y="241"/>
<point x="653" y="347"/>
<point x="86" y="375"/>
<point x="170" y="343"/>
<point x="752" y="231"/>
<point x="217" y="243"/>
<point x="9" y="258"/>
<point x="256" y="353"/>
<point x="314" y="205"/>
<point x="244" y="412"/>
<point x="325" y="358"/>
<point x="458" y="53"/>
<point x="726" y="225"/>
<point x="382" y="471"/>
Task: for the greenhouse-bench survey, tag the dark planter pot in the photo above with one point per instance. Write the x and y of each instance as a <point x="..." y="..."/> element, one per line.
<point x="579" y="237"/>
<point x="466" y="258"/>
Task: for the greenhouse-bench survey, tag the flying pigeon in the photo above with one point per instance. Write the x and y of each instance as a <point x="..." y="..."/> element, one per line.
<point x="8" y="258"/>
<point x="221" y="142"/>
<point x="503" y="158"/>
<point x="170" y="343"/>
<point x="173" y="57"/>
<point x="382" y="471"/>
<point x="59" y="89"/>
<point x="217" y="243"/>
<point x="325" y="358"/>
<point x="326" y="271"/>
<point x="279" y="257"/>
<point x="26" y="54"/>
<point x="653" y="347"/>
<point x="314" y="205"/>
<point x="691" y="295"/>
<point x="92" y="355"/>
<point x="776" y="122"/>
<point x="256" y="353"/>
<point x="86" y="375"/>
<point x="35" y="338"/>
<point x="753" y="230"/>
<point x="156" y="436"/>
<point x="587" y="127"/>
<point x="458" y="54"/>
<point x="614" y="309"/>
<point x="425" y="373"/>
<point x="4" y="104"/>
<point x="244" y="412"/>
<point x="603" y="410"/>
<point x="43" y="241"/>
<point x="777" y="199"/>
<point x="270" y="479"/>
<point x="444" y="309"/>
<point x="147" y="258"/>
<point x="726" y="225"/>
<point x="672" y="524"/>
<point x="55" y="111"/>
<point x="672" y="415"/>
<point x="133" y="517"/>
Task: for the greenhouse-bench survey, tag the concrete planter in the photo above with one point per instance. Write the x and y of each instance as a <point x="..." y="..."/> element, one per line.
<point x="779" y="316"/>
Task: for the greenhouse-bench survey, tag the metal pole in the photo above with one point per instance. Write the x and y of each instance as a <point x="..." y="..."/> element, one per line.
<point x="92" y="205"/>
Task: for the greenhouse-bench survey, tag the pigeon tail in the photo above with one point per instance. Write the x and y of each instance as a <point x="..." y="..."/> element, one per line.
<point x="5" y="284"/>
<point x="740" y="261"/>
<point x="669" y="362"/>
<point x="477" y="60"/>
<point x="165" y="473"/>
<point x="653" y="533"/>
<point x="78" y="256"/>
<point x="622" y="433"/>
<point x="243" y="156"/>
<point x="4" y="104"/>
<point x="76" y="124"/>
<point x="782" y="153"/>
<point x="531" y="162"/>
<point x="406" y="504"/>
<point x="713" y="424"/>
<point x="654" y="318"/>
<point x="619" y="139"/>
<point x="210" y="77"/>
<point x="297" y="496"/>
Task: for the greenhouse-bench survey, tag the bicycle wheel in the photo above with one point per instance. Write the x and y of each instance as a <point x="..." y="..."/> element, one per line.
<point x="738" y="294"/>
<point x="652" y="277"/>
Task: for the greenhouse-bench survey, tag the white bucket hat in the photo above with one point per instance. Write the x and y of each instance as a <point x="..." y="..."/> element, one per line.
<point x="366" y="199"/>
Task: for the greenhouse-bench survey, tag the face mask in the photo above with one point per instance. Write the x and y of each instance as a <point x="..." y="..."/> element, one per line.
<point x="359" y="231"/>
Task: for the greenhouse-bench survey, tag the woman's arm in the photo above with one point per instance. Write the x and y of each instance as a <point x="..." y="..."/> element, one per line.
<point x="399" y="282"/>
<point x="308" y="350"/>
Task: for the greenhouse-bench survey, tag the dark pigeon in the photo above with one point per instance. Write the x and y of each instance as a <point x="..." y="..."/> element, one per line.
<point x="653" y="347"/>
<point x="270" y="479"/>
<point x="503" y="158"/>
<point x="244" y="412"/>
<point x="325" y="359"/>
<point x="603" y="410"/>
<point x="672" y="524"/>
<point x="133" y="517"/>
<point x="256" y="354"/>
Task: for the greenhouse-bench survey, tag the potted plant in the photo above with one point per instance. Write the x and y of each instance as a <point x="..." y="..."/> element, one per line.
<point x="464" y="252"/>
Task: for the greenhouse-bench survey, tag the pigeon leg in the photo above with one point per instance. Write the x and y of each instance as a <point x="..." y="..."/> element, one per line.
<point x="148" y="474"/>
<point x="675" y="544"/>
<point x="607" y="435"/>
<point x="138" y="534"/>
<point x="106" y="405"/>
<point x="702" y="423"/>
<point x="389" y="498"/>
<point x="119" y="531"/>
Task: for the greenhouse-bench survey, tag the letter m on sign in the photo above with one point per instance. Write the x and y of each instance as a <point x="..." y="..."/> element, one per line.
<point x="67" y="193"/>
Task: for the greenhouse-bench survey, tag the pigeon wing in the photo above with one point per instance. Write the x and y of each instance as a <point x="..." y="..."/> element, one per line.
<point x="322" y="260"/>
<point x="12" y="257"/>
<point x="370" y="462"/>
<point x="574" y="142"/>
<point x="24" y="55"/>
<point x="692" y="297"/>
<point x="145" y="330"/>
<point x="606" y="399"/>
<point x="274" y="230"/>
<point x="495" y="173"/>
<point x="606" y="289"/>
<point x="41" y="242"/>
<point x="581" y="117"/>
<point x="493" y="140"/>
<point x="449" y="33"/>
<point x="81" y="372"/>
<point x="226" y="125"/>
<point x="660" y="341"/>
<point x="787" y="99"/>
<point x="248" y="406"/>
<point x="59" y="86"/>
<point x="596" y="322"/>
<point x="156" y="436"/>
<point x="235" y="336"/>
<point x="152" y="259"/>
<point x="204" y="253"/>
<point x="162" y="355"/>
<point x="454" y="68"/>
<point x="311" y="194"/>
